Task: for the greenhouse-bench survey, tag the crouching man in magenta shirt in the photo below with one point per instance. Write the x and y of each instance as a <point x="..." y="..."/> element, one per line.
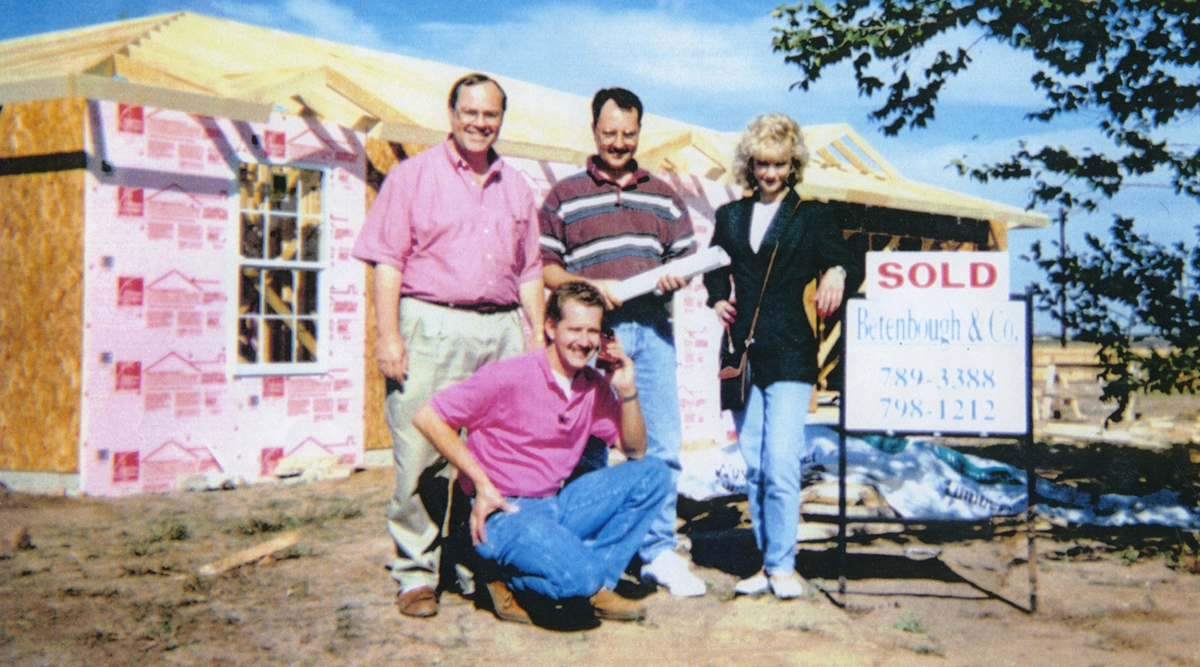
<point x="528" y="419"/>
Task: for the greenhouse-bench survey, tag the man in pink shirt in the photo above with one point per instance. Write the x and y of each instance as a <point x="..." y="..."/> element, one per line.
<point x="453" y="237"/>
<point x="528" y="419"/>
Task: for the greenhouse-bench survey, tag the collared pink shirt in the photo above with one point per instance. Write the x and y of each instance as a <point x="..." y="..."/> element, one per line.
<point x="452" y="240"/>
<point x="526" y="434"/>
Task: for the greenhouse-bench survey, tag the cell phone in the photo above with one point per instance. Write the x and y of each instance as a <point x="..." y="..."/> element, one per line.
<point x="604" y="359"/>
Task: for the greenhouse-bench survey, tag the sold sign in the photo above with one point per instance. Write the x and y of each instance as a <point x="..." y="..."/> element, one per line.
<point x="937" y="275"/>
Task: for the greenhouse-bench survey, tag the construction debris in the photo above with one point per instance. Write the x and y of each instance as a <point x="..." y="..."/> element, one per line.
<point x="301" y="470"/>
<point x="251" y="555"/>
<point x="15" y="538"/>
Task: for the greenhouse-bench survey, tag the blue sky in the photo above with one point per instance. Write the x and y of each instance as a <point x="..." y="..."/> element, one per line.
<point x="707" y="62"/>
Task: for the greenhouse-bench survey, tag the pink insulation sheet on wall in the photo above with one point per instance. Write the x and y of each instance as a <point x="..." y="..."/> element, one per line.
<point x="223" y="314"/>
<point x="697" y="330"/>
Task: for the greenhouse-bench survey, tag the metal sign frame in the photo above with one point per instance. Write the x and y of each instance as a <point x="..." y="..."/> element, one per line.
<point x="1023" y="433"/>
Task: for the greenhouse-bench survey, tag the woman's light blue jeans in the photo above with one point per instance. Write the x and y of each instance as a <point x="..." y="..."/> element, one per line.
<point x="771" y="437"/>
<point x="574" y="543"/>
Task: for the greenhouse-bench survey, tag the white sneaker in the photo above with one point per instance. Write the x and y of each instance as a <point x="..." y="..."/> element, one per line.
<point x="752" y="585"/>
<point x="786" y="586"/>
<point x="671" y="570"/>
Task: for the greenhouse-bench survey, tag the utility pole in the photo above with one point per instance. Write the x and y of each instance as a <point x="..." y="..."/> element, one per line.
<point x="1062" y="258"/>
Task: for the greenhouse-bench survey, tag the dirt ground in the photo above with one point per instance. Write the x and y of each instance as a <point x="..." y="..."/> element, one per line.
<point x="114" y="582"/>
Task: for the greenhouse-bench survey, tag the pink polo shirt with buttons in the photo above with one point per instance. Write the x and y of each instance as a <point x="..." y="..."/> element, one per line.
<point x="452" y="240"/>
<point x="526" y="434"/>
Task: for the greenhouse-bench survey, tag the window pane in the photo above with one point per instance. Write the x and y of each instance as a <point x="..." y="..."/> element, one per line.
<point x="254" y="186"/>
<point x="252" y="236"/>
<point x="283" y="237"/>
<point x="284" y="195"/>
<point x="310" y="191"/>
<point x="281" y="220"/>
<point x="250" y="295"/>
<point x="307" y="336"/>
<point x="280" y="292"/>
<point x="310" y="236"/>
<point x="279" y="340"/>
<point x="247" y="340"/>
<point x="306" y="292"/>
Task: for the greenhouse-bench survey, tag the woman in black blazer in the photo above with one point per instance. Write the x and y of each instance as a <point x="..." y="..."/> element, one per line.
<point x="800" y="241"/>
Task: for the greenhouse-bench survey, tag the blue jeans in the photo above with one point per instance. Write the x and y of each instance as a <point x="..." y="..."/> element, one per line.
<point x="575" y="543"/>
<point x="648" y="340"/>
<point x="771" y="437"/>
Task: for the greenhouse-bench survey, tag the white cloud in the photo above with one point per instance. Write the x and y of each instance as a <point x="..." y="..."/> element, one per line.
<point x="568" y="45"/>
<point x="316" y="18"/>
<point x="255" y="14"/>
<point x="997" y="76"/>
<point x="329" y="21"/>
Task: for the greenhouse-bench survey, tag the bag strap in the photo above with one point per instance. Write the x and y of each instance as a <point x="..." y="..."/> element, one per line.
<point x="754" y="320"/>
<point x="763" y="292"/>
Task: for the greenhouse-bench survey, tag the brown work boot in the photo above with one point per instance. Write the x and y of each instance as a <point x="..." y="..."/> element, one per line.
<point x="608" y="605"/>
<point x="504" y="605"/>
<point x="420" y="602"/>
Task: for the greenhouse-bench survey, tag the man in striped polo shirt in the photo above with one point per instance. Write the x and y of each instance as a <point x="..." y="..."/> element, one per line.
<point x="610" y="222"/>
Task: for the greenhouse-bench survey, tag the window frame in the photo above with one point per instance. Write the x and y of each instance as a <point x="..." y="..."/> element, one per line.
<point x="318" y="266"/>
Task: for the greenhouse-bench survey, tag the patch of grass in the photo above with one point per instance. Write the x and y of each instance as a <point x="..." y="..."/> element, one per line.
<point x="301" y="590"/>
<point x="934" y="649"/>
<point x="281" y="521"/>
<point x="1130" y="555"/>
<point x="105" y="592"/>
<point x="165" y="627"/>
<point x="909" y="623"/>
<point x="279" y="503"/>
<point x="197" y="584"/>
<point x="167" y="528"/>
<point x="340" y="510"/>
<point x="170" y="529"/>
<point x="141" y="569"/>
<point x="100" y="635"/>
<point x="348" y="623"/>
<point x="252" y="525"/>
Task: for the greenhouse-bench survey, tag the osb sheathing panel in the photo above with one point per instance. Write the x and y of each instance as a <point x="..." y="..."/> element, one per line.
<point x="41" y="320"/>
<point x="381" y="157"/>
<point x="41" y="128"/>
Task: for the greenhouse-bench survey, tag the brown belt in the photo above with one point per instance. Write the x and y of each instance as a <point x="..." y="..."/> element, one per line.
<point x="481" y="308"/>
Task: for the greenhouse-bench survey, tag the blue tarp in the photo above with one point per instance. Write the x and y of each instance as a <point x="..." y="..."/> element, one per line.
<point x="921" y="480"/>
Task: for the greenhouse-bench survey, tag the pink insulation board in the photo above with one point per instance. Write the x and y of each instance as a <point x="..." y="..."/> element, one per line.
<point x="223" y="315"/>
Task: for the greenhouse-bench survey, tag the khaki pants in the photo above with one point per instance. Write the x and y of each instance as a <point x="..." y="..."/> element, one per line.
<point x="444" y="346"/>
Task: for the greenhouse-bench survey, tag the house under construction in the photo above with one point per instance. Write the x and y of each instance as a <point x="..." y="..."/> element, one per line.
<point x="180" y="195"/>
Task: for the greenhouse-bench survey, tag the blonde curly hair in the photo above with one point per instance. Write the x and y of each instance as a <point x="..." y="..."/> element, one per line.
<point x="769" y="133"/>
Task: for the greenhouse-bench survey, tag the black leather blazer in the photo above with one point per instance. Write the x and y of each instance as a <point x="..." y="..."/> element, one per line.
<point x="809" y="242"/>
